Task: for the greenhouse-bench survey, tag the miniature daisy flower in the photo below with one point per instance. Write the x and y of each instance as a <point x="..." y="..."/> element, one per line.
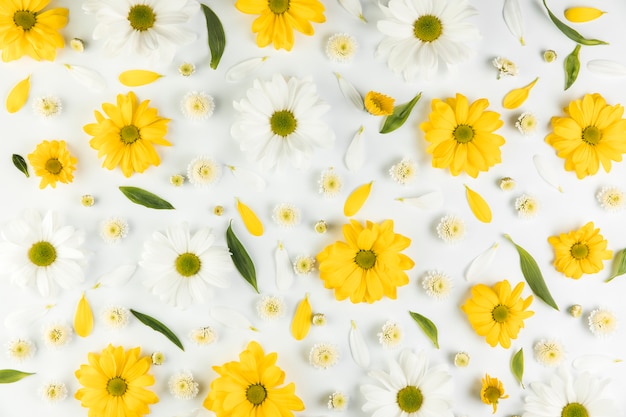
<point x="549" y="352"/>
<point x="526" y="206"/>
<point x="77" y="45"/>
<point x="330" y="183"/>
<point x="507" y="184"/>
<point x="341" y="47"/>
<point x="113" y="229"/>
<point x="57" y="335"/>
<point x="197" y="105"/>
<point x="48" y="106"/>
<point x="602" y="322"/>
<point x="505" y="67"/>
<point x="451" y="229"/>
<point x="203" y="171"/>
<point x="461" y="359"/>
<point x="378" y="104"/>
<point x="611" y="198"/>
<point x="116" y="317"/>
<point x="203" y="336"/>
<point x="53" y="392"/>
<point x="338" y="401"/>
<point x="323" y="355"/>
<point x="286" y="215"/>
<point x="319" y="319"/>
<point x="20" y="349"/>
<point x="218" y="210"/>
<point x="391" y="335"/>
<point x="87" y="200"/>
<point x="576" y="310"/>
<point x="437" y="285"/>
<point x="526" y="123"/>
<point x="404" y="171"/>
<point x="270" y="307"/>
<point x="186" y="69"/>
<point x="492" y="391"/>
<point x="157" y="358"/>
<point x="304" y="265"/>
<point x="549" y="55"/>
<point x="177" y="180"/>
<point x="321" y="227"/>
<point x="183" y="386"/>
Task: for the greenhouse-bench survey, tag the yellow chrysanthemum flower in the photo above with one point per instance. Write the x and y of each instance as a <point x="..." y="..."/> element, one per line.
<point x="26" y="30"/>
<point x="278" y="19"/>
<point x="113" y="383"/>
<point x="378" y="104"/>
<point x="593" y="133"/>
<point x="368" y="265"/>
<point x="492" y="391"/>
<point x="580" y="251"/>
<point x="250" y="387"/>
<point x="127" y="137"/>
<point x="497" y="312"/>
<point x="52" y="162"/>
<point x="461" y="135"/>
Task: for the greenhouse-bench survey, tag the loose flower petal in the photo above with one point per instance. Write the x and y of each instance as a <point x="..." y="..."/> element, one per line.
<point x="117" y="277"/>
<point x="512" y="14"/>
<point x="250" y="219"/>
<point x="284" y="270"/>
<point x="355" y="155"/>
<point x="26" y="317"/>
<point x="356" y="199"/>
<point x="244" y="69"/>
<point x="136" y="78"/>
<point x="431" y="200"/>
<point x="358" y="347"/>
<point x="301" y="323"/>
<point x="83" y="319"/>
<point x="594" y="362"/>
<point x="481" y="263"/>
<point x="248" y="177"/>
<point x="479" y="206"/>
<point x="350" y="93"/>
<point x="518" y="96"/>
<point x="354" y="8"/>
<point x="582" y="14"/>
<point x="18" y="95"/>
<point x="547" y="172"/>
<point x="230" y="317"/>
<point x="607" y="67"/>
<point x="87" y="77"/>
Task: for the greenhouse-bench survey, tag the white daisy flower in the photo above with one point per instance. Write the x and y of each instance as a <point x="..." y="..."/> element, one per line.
<point x="461" y="359"/>
<point x="115" y="317"/>
<point x="390" y="335"/>
<point x="410" y="388"/>
<point x="338" y="401"/>
<point x="304" y="265"/>
<point x="330" y="183"/>
<point x="280" y="122"/>
<point x="148" y="28"/>
<point x="56" y="335"/>
<point x="202" y="336"/>
<point x="318" y="319"/>
<point x="113" y="229"/>
<point x="48" y="106"/>
<point x="197" y="105"/>
<point x="270" y="307"/>
<point x="611" y="198"/>
<point x="20" y="349"/>
<point x="404" y="171"/>
<point x="507" y="183"/>
<point x="157" y="358"/>
<point x="53" y="392"/>
<point x="184" y="267"/>
<point x="203" y="171"/>
<point x="286" y="215"/>
<point x="451" y="229"/>
<point x="549" y="352"/>
<point x="323" y="355"/>
<point x="186" y="69"/>
<point x="526" y="206"/>
<point x="341" y="47"/>
<point x="42" y="253"/>
<point x="320" y="227"/>
<point x="437" y="285"/>
<point x="183" y="386"/>
<point x="423" y="35"/>
<point x="602" y="322"/>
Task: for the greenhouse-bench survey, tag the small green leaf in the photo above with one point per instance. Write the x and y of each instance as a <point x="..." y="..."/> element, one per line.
<point x="427" y="326"/>
<point x="533" y="276"/>
<point x="156" y="325"/>
<point x="20" y="164"/>
<point x="217" y="38"/>
<point x="8" y="376"/>
<point x="399" y="115"/>
<point x="619" y="265"/>
<point x="240" y="257"/>
<point x="517" y="366"/>
<point x="571" y="33"/>
<point x="572" y="67"/>
<point x="146" y="198"/>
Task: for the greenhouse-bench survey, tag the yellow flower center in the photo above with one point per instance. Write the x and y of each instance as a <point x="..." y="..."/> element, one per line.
<point x="574" y="410"/>
<point x="283" y="123"/>
<point x="492" y="394"/>
<point x="592" y="135"/>
<point x="463" y="133"/>
<point x="53" y="166"/>
<point x="25" y="19"/>
<point x="117" y="386"/>
<point x="256" y="394"/>
<point x="410" y="399"/>
<point x="278" y="6"/>
<point x="579" y="250"/>
<point x="427" y="28"/>
<point x="365" y="259"/>
<point x="500" y="313"/>
<point x="188" y="264"/>
<point x="129" y="134"/>
<point x="141" y="17"/>
<point x="42" y="254"/>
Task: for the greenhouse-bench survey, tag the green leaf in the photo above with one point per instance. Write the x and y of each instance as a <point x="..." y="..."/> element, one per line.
<point x="619" y="265"/>
<point x="533" y="276"/>
<point x="572" y="66"/>
<point x="399" y="115"/>
<point x="571" y="33"/>
<point x="146" y="198"/>
<point x="240" y="257"/>
<point x="8" y="376"/>
<point x="156" y="325"/>
<point x="20" y="164"/>
<point x="517" y="366"/>
<point x="427" y="326"/>
<point x="217" y="38"/>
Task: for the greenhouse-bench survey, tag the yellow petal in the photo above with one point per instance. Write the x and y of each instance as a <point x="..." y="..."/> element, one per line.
<point x="83" y="319"/>
<point x="136" y="78"/>
<point x="302" y="319"/>
<point x="18" y="95"/>
<point x="479" y="206"/>
<point x="356" y="199"/>
<point x="517" y="97"/>
<point x="582" y="14"/>
<point x="252" y="222"/>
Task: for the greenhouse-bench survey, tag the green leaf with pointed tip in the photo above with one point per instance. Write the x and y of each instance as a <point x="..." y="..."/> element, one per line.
<point x="240" y="257"/>
<point x="427" y="326"/>
<point x="8" y="376"/>
<point x="517" y="366"/>
<point x="156" y="325"/>
<point x="217" y="37"/>
<point x="399" y="115"/>
<point x="572" y="67"/>
<point x="145" y="198"/>
<point x="20" y="163"/>
<point x="619" y="265"/>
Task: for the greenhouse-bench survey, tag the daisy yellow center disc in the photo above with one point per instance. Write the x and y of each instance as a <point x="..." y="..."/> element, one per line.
<point x="278" y="6"/>
<point x="579" y="250"/>
<point x="129" y="134"/>
<point x="53" y="166"/>
<point x="188" y="264"/>
<point x="42" y="254"/>
<point x="574" y="410"/>
<point x="427" y="28"/>
<point x="283" y="123"/>
<point x="365" y="259"/>
<point x="141" y="17"/>
<point x="410" y="399"/>
<point x="256" y="394"/>
<point x="463" y="133"/>
<point x="500" y="313"/>
<point x="592" y="135"/>
<point x="116" y="386"/>
<point x="25" y="19"/>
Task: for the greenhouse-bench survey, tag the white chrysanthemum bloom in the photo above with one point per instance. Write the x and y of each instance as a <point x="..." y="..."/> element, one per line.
<point x="451" y="229"/>
<point x="53" y="392"/>
<point x="422" y="36"/>
<point x="186" y="69"/>
<point x="304" y="265"/>
<point x="270" y="307"/>
<point x="319" y="319"/>
<point x="114" y="229"/>
<point x="280" y="122"/>
<point x="404" y="171"/>
<point x="203" y="171"/>
<point x="177" y="180"/>
<point x="526" y="123"/>
<point x="19" y="350"/>
<point x="183" y="386"/>
<point x="461" y="359"/>
<point x="411" y="388"/>
<point x="568" y="396"/>
<point x="48" y="106"/>
<point x="57" y="334"/>
<point x="197" y="105"/>
<point x="330" y="183"/>
<point x="575" y="310"/>
<point x="115" y="317"/>
<point x="390" y="335"/>
<point x="323" y="355"/>
<point x="157" y="358"/>
<point x="286" y="215"/>
<point x="87" y="200"/>
<point x="320" y="227"/>
<point x="526" y="206"/>
<point x="183" y="268"/>
<point x="602" y="322"/>
<point x="611" y="198"/>
<point x="338" y="401"/>
<point x="437" y="285"/>
<point x="341" y="47"/>
<point x="505" y="67"/>
<point x="148" y="28"/>
<point x="549" y="352"/>
<point x="203" y="336"/>
<point x="42" y="253"/>
<point x="507" y="184"/>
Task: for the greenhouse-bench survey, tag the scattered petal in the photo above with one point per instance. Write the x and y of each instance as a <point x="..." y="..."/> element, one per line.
<point x="547" y="171"/>
<point x="594" y="362"/>
<point x="481" y="263"/>
<point x="358" y="348"/>
<point x="136" y="78"/>
<point x="26" y="317"/>
<point x="350" y="93"/>
<point x="87" y="77"/>
<point x="244" y="69"/>
<point x="582" y="14"/>
<point x="606" y="67"/>
<point x="518" y="96"/>
<point x="355" y="155"/>
<point x="230" y="317"/>
<point x="301" y="323"/>
<point x="479" y="206"/>
<point x="117" y="277"/>
<point x="284" y="270"/>
<point x="356" y="199"/>
<point x="250" y="219"/>
<point x="512" y="14"/>
<point x="18" y="95"/>
<point x="83" y="319"/>
<point x="248" y="177"/>
<point x="354" y="8"/>
<point x="431" y="200"/>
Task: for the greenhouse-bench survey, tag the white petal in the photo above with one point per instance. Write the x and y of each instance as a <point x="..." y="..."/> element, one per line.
<point x="353" y="7"/>
<point x="606" y="67"/>
<point x="117" y="277"/>
<point x="26" y="317"/>
<point x="248" y="177"/>
<point x="481" y="263"/>
<point x="547" y="171"/>
<point x="358" y="348"/>
<point x="431" y="200"/>
<point x="512" y="14"/>
<point x="350" y="93"/>
<point x="87" y="77"/>
<point x="355" y="155"/>
<point x="284" y="270"/>
<point x="244" y="68"/>
<point x="595" y="363"/>
<point x="231" y="318"/>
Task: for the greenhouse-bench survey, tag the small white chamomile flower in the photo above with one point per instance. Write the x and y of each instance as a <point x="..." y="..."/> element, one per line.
<point x="611" y="198"/>
<point x="602" y="322"/>
<point x="203" y="335"/>
<point x="321" y="227"/>
<point x="549" y="352"/>
<point x="197" y="105"/>
<point x="203" y="171"/>
<point x="286" y="215"/>
<point x="304" y="265"/>
<point x="158" y="358"/>
<point x="116" y="317"/>
<point x="183" y="386"/>
<point x="186" y="69"/>
<point x="390" y="335"/>
<point x="341" y="47"/>
<point x="505" y="67"/>
<point x="20" y="349"/>
<point x="461" y="359"/>
<point x="526" y="206"/>
<point x="56" y="335"/>
<point x="437" y="285"/>
<point x="323" y="355"/>
<point x="77" y="45"/>
<point x="270" y="307"/>
<point x="526" y="123"/>
<point x="319" y="319"/>
<point x="53" y="392"/>
<point x="177" y="180"/>
<point x="575" y="310"/>
<point x="87" y="200"/>
<point x="338" y="401"/>
<point x="451" y="229"/>
<point x="47" y="106"/>
<point x="330" y="183"/>
<point x="113" y="229"/>
<point x="507" y="183"/>
<point x="404" y="171"/>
